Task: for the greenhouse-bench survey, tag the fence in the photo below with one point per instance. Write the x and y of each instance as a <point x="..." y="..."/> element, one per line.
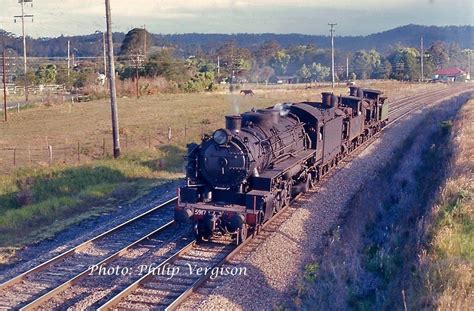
<point x="76" y="152"/>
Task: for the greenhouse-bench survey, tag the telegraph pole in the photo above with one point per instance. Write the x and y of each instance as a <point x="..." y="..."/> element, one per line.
<point x="347" y="68"/>
<point x="332" y="51"/>
<point x="113" y="94"/>
<point x="469" y="63"/>
<point x="22" y="16"/>
<point x="422" y="59"/>
<point x="5" y="108"/>
<point x="144" y="45"/>
<point x="105" y="53"/>
<point x="137" y="76"/>
<point x="68" y="59"/>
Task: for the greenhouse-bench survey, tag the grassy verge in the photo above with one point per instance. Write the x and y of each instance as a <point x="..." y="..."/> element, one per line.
<point x="372" y="262"/>
<point x="37" y="203"/>
<point x="447" y="265"/>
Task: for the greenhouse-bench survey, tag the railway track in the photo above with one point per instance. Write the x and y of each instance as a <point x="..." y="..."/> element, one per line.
<point x="28" y="286"/>
<point x="65" y="281"/>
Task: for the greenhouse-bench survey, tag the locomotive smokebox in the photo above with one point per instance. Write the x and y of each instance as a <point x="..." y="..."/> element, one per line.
<point x="233" y="123"/>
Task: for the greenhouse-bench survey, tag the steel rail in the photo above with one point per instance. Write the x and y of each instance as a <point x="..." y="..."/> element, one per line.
<point x="132" y="287"/>
<point x="61" y="288"/>
<point x="80" y="247"/>
<point x="226" y="259"/>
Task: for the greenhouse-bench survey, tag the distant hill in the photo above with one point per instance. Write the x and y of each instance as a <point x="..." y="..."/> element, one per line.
<point x="409" y="35"/>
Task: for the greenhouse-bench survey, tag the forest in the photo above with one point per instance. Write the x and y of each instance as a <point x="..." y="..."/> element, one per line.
<point x="199" y="62"/>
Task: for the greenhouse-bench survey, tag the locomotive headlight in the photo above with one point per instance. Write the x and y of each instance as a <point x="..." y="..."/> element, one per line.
<point x="221" y="137"/>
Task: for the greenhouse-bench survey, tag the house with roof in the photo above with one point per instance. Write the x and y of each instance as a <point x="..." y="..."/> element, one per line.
<point x="452" y="74"/>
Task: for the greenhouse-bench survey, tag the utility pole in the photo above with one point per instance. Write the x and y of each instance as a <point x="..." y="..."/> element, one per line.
<point x="144" y="45"/>
<point x="347" y="68"/>
<point x="218" y="65"/>
<point x="5" y="110"/>
<point x="105" y="53"/>
<point x="113" y="94"/>
<point x="469" y="51"/>
<point x="68" y="59"/>
<point x="137" y="76"/>
<point x="22" y="16"/>
<point x="332" y="51"/>
<point x="422" y="59"/>
<point x="469" y="63"/>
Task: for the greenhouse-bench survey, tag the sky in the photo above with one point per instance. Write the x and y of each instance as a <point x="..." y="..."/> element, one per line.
<point x="356" y="17"/>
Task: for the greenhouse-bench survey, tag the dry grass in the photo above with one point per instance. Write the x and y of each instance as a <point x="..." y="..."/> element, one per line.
<point x="449" y="264"/>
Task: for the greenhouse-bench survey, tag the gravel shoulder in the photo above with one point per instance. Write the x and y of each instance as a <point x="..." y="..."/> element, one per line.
<point x="275" y="268"/>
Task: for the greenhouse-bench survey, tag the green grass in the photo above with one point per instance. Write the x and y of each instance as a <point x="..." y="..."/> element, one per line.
<point x="456" y="217"/>
<point x="37" y="203"/>
<point x="445" y="278"/>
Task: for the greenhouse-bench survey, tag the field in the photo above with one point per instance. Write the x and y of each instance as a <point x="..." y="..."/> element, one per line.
<point x="38" y="196"/>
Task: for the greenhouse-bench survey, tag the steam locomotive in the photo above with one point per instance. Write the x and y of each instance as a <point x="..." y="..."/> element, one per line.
<point x="242" y="175"/>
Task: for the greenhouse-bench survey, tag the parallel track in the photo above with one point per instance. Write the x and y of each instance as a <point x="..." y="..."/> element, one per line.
<point x="26" y="287"/>
<point x="54" y="283"/>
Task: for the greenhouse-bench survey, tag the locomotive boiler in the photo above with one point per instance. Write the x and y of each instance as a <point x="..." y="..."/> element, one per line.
<point x="243" y="174"/>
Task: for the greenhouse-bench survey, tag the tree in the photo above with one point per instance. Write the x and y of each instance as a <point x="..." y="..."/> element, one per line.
<point x="361" y="64"/>
<point x="234" y="59"/>
<point x="165" y="64"/>
<point x="304" y="73"/>
<point x="266" y="52"/>
<point x="266" y="73"/>
<point x="383" y="70"/>
<point x="365" y="63"/>
<point x="46" y="74"/>
<point x="319" y="72"/>
<point x="201" y="81"/>
<point x="134" y="42"/>
<point x="438" y="54"/>
<point x="280" y="62"/>
<point x="405" y="64"/>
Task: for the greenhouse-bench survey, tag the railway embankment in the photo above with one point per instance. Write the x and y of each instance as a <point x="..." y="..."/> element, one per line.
<point x="354" y="243"/>
<point x="406" y="240"/>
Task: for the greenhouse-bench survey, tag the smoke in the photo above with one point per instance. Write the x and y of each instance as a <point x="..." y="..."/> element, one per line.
<point x="235" y="104"/>
<point x="283" y="108"/>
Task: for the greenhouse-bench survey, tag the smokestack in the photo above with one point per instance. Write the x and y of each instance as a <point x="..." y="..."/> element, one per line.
<point x="233" y="123"/>
<point x="329" y="99"/>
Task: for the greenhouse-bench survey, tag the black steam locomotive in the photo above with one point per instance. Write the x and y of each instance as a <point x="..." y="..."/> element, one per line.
<point x="243" y="174"/>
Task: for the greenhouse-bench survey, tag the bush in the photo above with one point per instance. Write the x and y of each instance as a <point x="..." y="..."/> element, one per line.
<point x="202" y="81"/>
